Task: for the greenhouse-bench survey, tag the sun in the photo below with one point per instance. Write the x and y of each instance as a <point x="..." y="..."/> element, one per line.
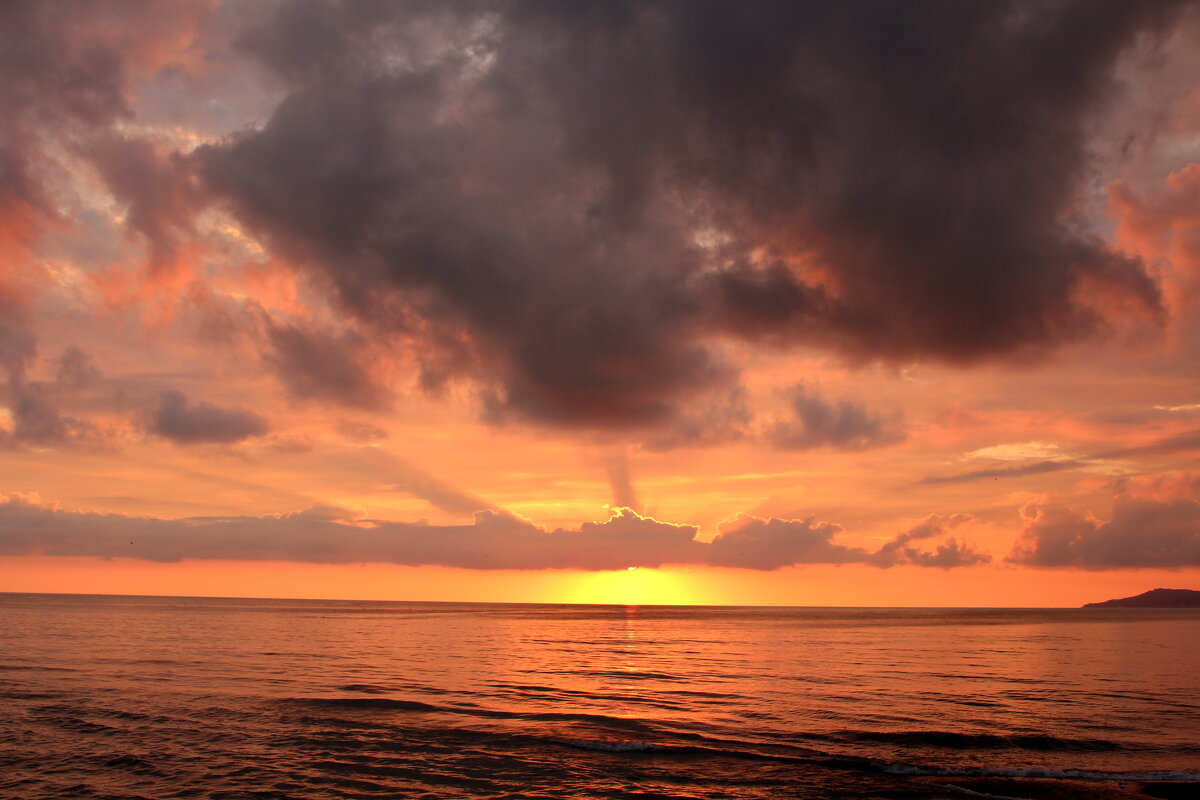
<point x="632" y="586"/>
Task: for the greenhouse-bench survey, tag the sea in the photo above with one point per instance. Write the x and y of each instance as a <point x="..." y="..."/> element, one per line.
<point x="171" y="697"/>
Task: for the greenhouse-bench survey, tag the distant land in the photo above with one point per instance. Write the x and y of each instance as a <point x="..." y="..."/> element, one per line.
<point x="1155" y="598"/>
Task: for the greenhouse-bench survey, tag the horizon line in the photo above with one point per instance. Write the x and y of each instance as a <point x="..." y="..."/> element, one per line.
<point x="524" y="602"/>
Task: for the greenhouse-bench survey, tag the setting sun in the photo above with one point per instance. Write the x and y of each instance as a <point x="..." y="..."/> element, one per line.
<point x="632" y="586"/>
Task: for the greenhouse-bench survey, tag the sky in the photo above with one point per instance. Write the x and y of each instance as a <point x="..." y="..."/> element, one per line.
<point x="824" y="303"/>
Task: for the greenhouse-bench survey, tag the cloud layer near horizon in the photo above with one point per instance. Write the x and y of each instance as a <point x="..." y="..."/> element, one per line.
<point x="688" y="258"/>
<point x="495" y="540"/>
<point x="1143" y="533"/>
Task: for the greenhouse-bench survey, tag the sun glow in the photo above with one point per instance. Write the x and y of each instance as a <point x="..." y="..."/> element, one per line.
<point x="632" y="586"/>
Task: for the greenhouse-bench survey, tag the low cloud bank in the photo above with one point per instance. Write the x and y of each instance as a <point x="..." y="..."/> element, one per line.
<point x="494" y="540"/>
<point x="1143" y="532"/>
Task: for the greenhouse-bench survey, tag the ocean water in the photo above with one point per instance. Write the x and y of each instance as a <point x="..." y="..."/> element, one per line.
<point x="137" y="697"/>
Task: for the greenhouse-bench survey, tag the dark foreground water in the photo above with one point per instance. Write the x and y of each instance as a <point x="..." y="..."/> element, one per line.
<point x="135" y="697"/>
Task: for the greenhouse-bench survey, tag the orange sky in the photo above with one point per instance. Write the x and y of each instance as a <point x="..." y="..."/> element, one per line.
<point x="266" y="386"/>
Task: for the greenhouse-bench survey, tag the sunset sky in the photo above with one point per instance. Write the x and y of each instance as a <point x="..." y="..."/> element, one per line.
<point x="829" y="303"/>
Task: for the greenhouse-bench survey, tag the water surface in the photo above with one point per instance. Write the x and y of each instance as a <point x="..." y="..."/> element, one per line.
<point x="135" y="697"/>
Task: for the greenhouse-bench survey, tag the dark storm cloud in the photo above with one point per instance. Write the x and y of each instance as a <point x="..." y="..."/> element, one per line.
<point x="184" y="422"/>
<point x="565" y="199"/>
<point x="1142" y="533"/>
<point x="842" y="425"/>
<point x="495" y="540"/>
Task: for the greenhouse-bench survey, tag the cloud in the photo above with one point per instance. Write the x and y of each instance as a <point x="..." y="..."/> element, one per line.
<point x="67" y="69"/>
<point x="1016" y="451"/>
<point x="947" y="555"/>
<point x="1158" y="486"/>
<point x="183" y="422"/>
<point x="996" y="473"/>
<point x="774" y="543"/>
<point x="361" y="432"/>
<point x="157" y="191"/>
<point x="1143" y="533"/>
<point x="1180" y="442"/>
<point x="320" y="365"/>
<point x="844" y="425"/>
<point x="324" y="534"/>
<point x="712" y="418"/>
<point x="75" y="370"/>
<point x="1162" y="223"/>
<point x="437" y="492"/>
<point x="34" y="406"/>
<point x="624" y="494"/>
<point x="494" y="540"/>
<point x="567" y="205"/>
<point x="37" y="420"/>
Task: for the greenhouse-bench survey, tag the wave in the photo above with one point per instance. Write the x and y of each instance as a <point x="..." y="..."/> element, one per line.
<point x="1041" y="742"/>
<point x="131" y="763"/>
<point x="858" y="764"/>
<point x="1038" y="772"/>
<point x="620" y="747"/>
<point x="416" y="706"/>
<point x="986" y="795"/>
<point x="708" y="748"/>
<point x="368" y="703"/>
<point x="630" y="675"/>
<point x="694" y="743"/>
